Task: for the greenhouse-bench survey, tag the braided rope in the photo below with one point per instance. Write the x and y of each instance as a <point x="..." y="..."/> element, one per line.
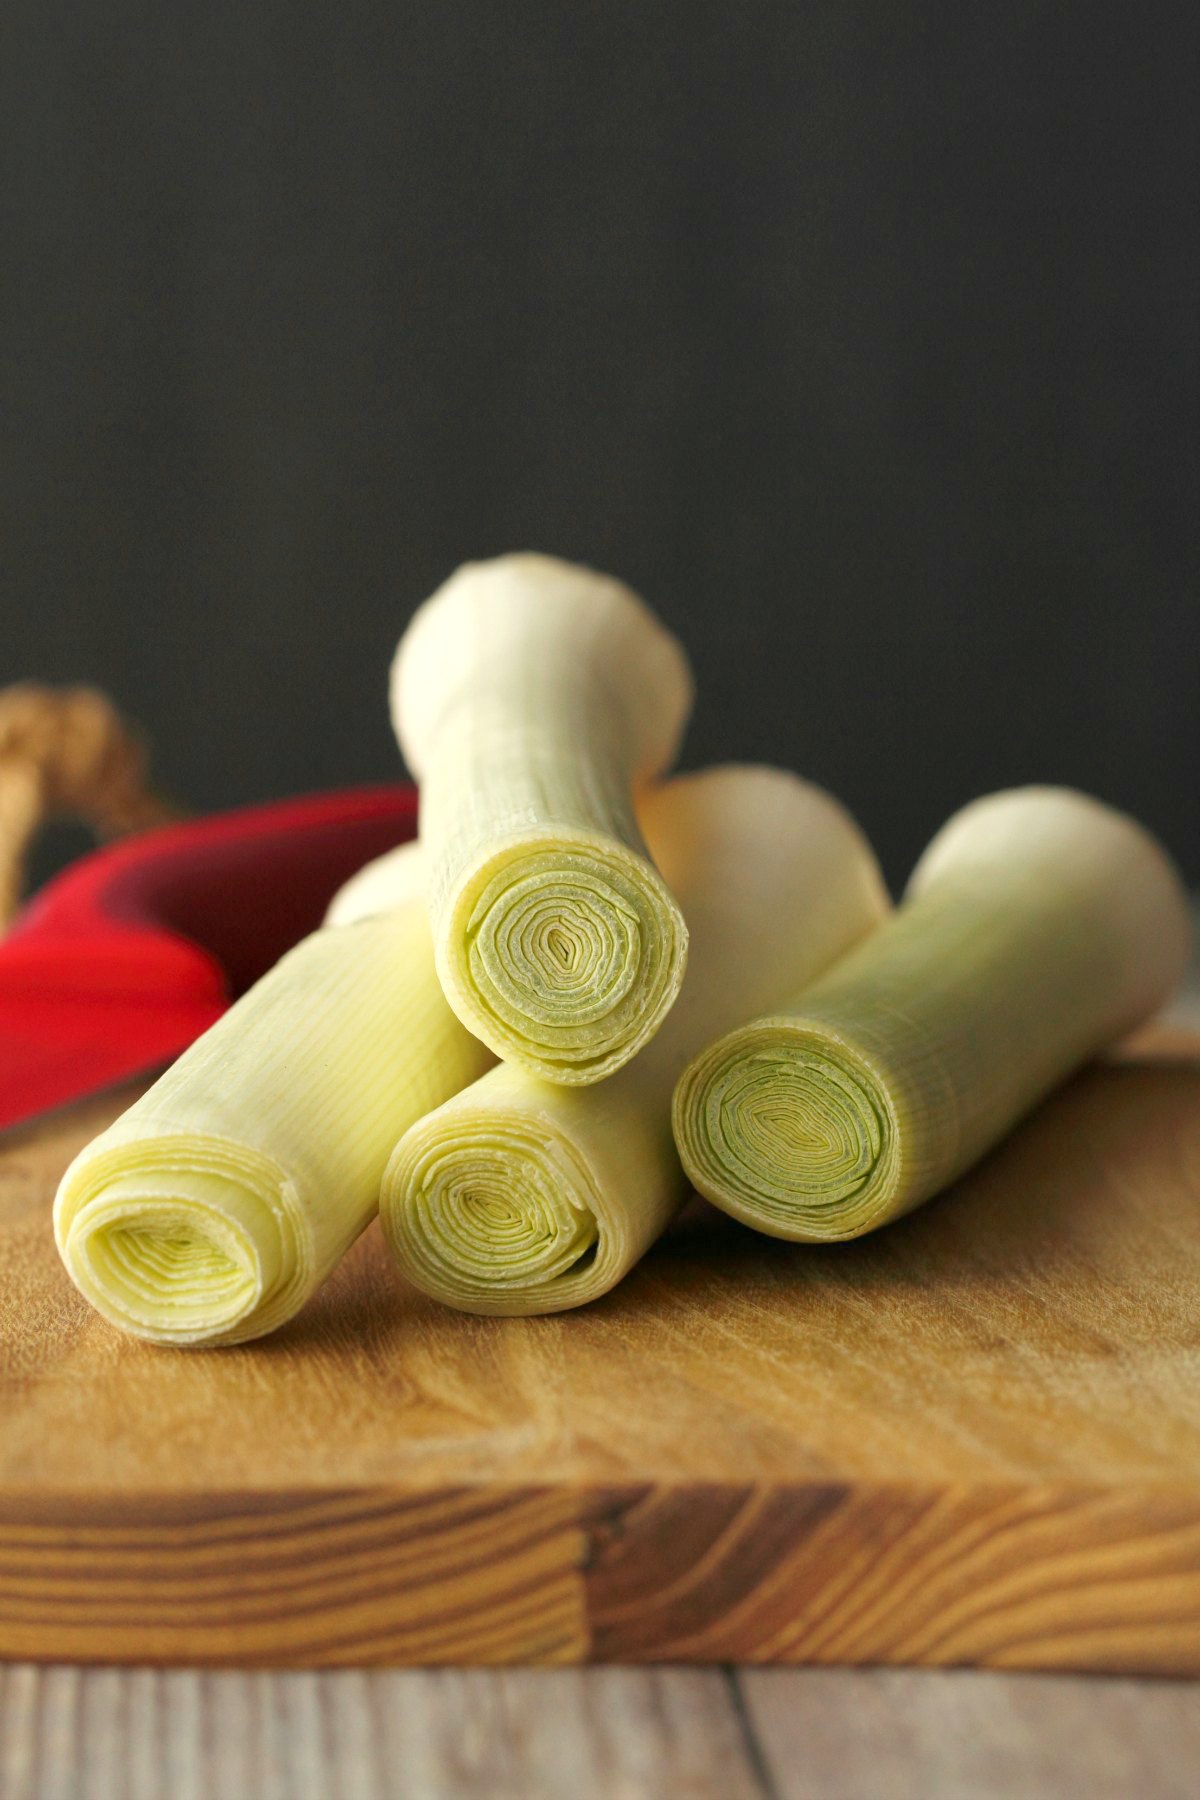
<point x="66" y="753"/>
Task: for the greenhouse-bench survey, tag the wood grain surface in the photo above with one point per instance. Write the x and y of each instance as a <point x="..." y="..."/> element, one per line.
<point x="974" y="1438"/>
<point x="595" y="1734"/>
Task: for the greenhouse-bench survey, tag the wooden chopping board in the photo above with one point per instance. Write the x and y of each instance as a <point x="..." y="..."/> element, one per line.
<point x="973" y="1438"/>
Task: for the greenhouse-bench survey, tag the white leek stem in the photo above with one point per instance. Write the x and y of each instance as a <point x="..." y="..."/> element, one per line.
<point x="531" y="698"/>
<point x="520" y="1196"/>
<point x="1038" y="927"/>
<point x="212" y="1209"/>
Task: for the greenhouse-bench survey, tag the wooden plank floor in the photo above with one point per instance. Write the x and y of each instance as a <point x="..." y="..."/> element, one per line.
<point x="598" y="1734"/>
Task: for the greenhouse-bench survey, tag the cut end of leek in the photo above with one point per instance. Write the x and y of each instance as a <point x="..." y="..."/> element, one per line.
<point x="212" y="1209"/>
<point x="533" y="698"/>
<point x="572" y="957"/>
<point x="182" y="1255"/>
<point x="1039" y="927"/>
<point x="789" y="1131"/>
<point x="522" y="1196"/>
<point x="506" y="1221"/>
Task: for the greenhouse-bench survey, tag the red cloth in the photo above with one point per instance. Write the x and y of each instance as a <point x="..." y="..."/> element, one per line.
<point x="120" y="962"/>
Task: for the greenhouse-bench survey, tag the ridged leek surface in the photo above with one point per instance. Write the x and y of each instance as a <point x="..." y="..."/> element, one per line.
<point x="212" y="1209"/>
<point x="1038" y="927"/>
<point x="521" y="1196"/>
<point x="531" y="698"/>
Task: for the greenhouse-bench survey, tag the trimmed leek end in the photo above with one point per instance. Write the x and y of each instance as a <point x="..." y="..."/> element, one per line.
<point x="518" y="1196"/>
<point x="494" y="1207"/>
<point x="791" y="1130"/>
<point x="532" y="698"/>
<point x="213" y="1208"/>
<point x="1039" y="927"/>
<point x="564" y="957"/>
<point x="184" y="1242"/>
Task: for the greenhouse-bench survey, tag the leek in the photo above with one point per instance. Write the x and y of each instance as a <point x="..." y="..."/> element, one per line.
<point x="531" y="698"/>
<point x="522" y="1196"/>
<point x="1038" y="927"/>
<point x="212" y="1209"/>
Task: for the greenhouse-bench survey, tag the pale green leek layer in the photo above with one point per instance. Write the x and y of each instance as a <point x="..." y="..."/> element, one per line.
<point x="213" y="1208"/>
<point x="1038" y="927"/>
<point x="521" y="1196"/>
<point x="532" y="698"/>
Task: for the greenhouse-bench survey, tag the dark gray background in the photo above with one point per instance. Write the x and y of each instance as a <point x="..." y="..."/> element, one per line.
<point x="862" y="338"/>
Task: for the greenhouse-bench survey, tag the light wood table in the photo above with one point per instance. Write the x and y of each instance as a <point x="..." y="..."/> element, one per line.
<point x="612" y="1733"/>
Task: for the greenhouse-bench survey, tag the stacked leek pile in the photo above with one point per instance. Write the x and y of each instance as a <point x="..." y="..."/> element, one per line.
<point x="519" y="1039"/>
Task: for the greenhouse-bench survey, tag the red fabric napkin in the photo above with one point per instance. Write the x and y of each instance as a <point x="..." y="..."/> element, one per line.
<point x="120" y="962"/>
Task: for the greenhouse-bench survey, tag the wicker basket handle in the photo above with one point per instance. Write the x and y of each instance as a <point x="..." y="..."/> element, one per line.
<point x="66" y="753"/>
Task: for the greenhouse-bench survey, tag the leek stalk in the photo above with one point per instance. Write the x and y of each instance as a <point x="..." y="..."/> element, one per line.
<point x="1038" y="927"/>
<point x="214" y="1207"/>
<point x="521" y="1196"/>
<point x="531" y="698"/>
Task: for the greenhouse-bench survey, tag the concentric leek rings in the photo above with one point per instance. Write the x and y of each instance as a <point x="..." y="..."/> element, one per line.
<point x="790" y="1131"/>
<point x="179" y="1242"/>
<point x="501" y="1216"/>
<point x="573" y="956"/>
